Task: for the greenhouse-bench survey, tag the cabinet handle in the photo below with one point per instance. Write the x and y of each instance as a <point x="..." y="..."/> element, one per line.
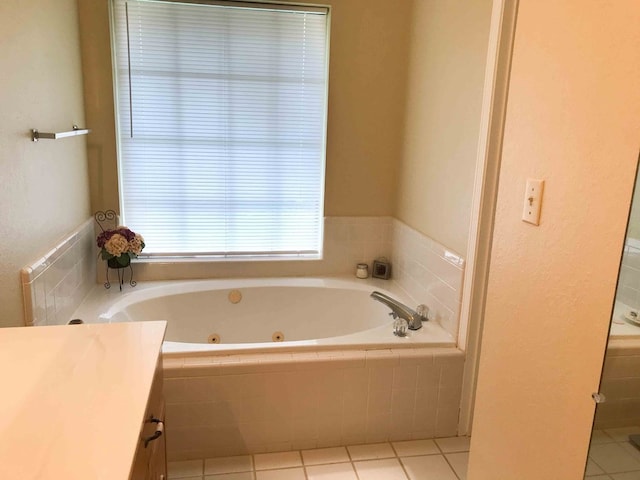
<point x="159" y="430"/>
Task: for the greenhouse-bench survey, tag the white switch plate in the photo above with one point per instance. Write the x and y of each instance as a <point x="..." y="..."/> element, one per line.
<point x="532" y="201"/>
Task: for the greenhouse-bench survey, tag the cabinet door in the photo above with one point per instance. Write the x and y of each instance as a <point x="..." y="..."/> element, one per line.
<point x="157" y="455"/>
<point x="150" y="459"/>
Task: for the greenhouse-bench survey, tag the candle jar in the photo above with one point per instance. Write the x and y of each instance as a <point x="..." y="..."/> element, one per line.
<point x="362" y="270"/>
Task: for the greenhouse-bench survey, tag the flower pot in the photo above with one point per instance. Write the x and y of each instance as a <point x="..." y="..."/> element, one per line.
<point x="119" y="262"/>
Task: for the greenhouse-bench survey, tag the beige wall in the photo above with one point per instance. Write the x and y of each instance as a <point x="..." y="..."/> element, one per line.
<point x="44" y="192"/>
<point x="442" y="120"/>
<point x="403" y="79"/>
<point x="95" y="47"/>
<point x="573" y="119"/>
<point x="366" y="103"/>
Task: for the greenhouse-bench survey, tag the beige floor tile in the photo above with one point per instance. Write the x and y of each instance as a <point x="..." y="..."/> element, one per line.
<point x="621" y="476"/>
<point x="240" y="463"/>
<point x="185" y="469"/>
<point x="454" y="444"/>
<point x="621" y="434"/>
<point x="631" y="449"/>
<point x="232" y="476"/>
<point x="386" y="469"/>
<point x="599" y="436"/>
<point x="612" y="458"/>
<point x="334" y="471"/>
<point x="371" y="451"/>
<point x="268" y="461"/>
<point x="459" y="462"/>
<point x="320" y="456"/>
<point x="411" y="448"/>
<point x="430" y="466"/>
<point x="592" y="469"/>
<point x="281" y="474"/>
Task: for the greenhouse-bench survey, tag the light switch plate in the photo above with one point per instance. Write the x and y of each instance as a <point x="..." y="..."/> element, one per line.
<point x="533" y="201"/>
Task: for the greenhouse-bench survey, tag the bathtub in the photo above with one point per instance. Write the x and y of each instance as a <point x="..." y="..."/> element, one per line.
<point x="256" y="315"/>
<point x="334" y="375"/>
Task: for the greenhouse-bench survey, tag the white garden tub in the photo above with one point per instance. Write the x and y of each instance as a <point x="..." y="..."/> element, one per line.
<point x="262" y="314"/>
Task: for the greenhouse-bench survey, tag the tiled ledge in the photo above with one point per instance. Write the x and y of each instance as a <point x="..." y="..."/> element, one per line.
<point x="237" y="364"/>
<point x="54" y="285"/>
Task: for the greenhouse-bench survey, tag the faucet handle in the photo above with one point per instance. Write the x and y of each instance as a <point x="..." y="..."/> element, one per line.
<point x="423" y="311"/>
<point x="400" y="327"/>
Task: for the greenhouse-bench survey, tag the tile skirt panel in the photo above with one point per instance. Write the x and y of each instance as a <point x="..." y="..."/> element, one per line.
<point x="218" y="412"/>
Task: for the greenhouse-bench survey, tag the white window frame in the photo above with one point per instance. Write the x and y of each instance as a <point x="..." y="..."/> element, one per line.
<point x="296" y="254"/>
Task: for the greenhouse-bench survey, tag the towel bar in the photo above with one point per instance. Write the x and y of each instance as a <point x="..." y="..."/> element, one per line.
<point x="36" y="135"/>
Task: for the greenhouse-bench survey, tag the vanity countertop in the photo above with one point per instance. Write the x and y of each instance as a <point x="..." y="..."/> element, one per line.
<point x="73" y="398"/>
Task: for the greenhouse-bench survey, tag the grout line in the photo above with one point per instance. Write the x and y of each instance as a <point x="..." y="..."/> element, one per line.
<point x="393" y="448"/>
<point x="406" y="474"/>
<point x="353" y="466"/>
<point x="451" y="466"/>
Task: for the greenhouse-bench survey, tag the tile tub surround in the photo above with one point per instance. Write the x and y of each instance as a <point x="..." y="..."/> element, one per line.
<point x="347" y="242"/>
<point x="629" y="283"/>
<point x="430" y="273"/>
<point x="620" y="385"/>
<point x="413" y="460"/>
<point x="248" y="404"/>
<point x="427" y="271"/>
<point x="54" y="286"/>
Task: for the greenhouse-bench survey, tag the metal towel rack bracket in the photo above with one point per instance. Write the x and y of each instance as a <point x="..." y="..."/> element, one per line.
<point x="36" y="135"/>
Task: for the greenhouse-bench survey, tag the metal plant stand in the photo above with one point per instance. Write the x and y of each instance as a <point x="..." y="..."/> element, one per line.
<point x="102" y="219"/>
<point x="120" y="270"/>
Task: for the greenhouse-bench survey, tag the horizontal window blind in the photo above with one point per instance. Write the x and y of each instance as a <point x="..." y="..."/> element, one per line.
<point x="222" y="118"/>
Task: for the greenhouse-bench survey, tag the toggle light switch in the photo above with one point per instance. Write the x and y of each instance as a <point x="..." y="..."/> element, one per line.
<point x="532" y="201"/>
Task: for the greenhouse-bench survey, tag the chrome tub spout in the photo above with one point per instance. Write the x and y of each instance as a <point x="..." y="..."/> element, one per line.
<point x="414" y="318"/>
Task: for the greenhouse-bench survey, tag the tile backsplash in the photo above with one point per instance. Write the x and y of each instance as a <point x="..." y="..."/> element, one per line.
<point x="54" y="285"/>
<point x="347" y="241"/>
<point x="430" y="273"/>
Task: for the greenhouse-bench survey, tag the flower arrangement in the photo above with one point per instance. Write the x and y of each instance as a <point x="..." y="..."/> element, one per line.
<point x="119" y="246"/>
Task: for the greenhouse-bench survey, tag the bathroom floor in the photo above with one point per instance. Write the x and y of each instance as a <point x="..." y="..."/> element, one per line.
<point x="440" y="459"/>
<point x="612" y="457"/>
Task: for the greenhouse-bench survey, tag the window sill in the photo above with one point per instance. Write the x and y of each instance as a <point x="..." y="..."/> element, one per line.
<point x="157" y="259"/>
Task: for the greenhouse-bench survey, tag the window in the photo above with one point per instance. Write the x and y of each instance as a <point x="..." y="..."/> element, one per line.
<point x="221" y="111"/>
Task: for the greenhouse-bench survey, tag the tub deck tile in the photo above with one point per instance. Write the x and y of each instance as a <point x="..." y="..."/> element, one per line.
<point x="381" y="358"/>
<point x="197" y="361"/>
<point x="171" y="362"/>
<point x="197" y="370"/>
<point x="413" y="356"/>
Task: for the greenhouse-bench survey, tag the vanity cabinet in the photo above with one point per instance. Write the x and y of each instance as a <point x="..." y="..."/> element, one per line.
<point x="78" y="402"/>
<point x="150" y="460"/>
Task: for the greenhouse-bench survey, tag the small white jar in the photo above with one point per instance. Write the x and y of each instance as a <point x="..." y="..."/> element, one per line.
<point x="362" y="270"/>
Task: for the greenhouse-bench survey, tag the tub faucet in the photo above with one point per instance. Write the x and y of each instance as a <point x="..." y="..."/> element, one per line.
<point x="414" y="318"/>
